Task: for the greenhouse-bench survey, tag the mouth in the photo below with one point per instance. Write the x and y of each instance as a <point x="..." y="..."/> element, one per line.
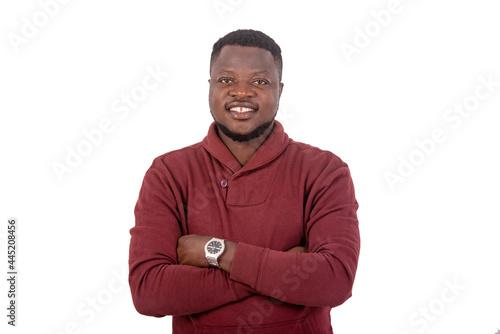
<point x="241" y="109"/>
<point x="241" y="112"/>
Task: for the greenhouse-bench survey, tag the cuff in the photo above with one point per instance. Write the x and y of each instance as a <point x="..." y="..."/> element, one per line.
<point x="247" y="264"/>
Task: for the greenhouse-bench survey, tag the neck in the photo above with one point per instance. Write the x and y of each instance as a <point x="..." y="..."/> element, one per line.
<point x="243" y="151"/>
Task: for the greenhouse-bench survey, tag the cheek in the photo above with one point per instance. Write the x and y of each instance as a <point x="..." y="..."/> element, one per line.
<point x="210" y="94"/>
<point x="271" y="100"/>
<point x="216" y="97"/>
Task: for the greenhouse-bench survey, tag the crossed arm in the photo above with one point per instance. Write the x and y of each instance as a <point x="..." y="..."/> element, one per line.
<point x="169" y="273"/>
<point x="191" y="252"/>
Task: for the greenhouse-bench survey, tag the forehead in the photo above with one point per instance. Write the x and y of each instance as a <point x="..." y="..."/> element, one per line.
<point x="236" y="58"/>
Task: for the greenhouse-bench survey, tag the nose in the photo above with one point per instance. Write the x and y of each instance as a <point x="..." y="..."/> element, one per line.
<point x="242" y="90"/>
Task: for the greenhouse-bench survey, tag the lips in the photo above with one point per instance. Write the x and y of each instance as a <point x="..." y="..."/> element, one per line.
<point x="241" y="110"/>
<point x="241" y="104"/>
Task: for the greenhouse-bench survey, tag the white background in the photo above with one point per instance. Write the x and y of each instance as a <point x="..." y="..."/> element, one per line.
<point x="440" y="225"/>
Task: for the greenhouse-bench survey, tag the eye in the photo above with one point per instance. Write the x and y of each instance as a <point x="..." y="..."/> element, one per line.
<point x="225" y="80"/>
<point x="261" y="82"/>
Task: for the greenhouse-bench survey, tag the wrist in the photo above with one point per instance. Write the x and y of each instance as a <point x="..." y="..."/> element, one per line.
<point x="226" y="259"/>
<point x="214" y="248"/>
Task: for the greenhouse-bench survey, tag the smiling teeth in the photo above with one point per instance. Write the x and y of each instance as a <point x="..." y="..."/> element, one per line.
<point x="241" y="109"/>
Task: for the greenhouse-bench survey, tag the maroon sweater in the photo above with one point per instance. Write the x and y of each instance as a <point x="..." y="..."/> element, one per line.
<point x="288" y="194"/>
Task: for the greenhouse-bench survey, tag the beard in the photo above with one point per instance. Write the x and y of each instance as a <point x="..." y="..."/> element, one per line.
<point x="244" y="137"/>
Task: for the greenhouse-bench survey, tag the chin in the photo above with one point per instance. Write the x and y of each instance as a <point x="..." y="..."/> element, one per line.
<point x="243" y="136"/>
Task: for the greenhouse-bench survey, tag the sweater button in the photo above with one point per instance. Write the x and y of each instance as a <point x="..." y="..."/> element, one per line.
<point x="223" y="183"/>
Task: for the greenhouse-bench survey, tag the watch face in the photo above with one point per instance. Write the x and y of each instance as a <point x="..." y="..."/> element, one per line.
<point x="214" y="247"/>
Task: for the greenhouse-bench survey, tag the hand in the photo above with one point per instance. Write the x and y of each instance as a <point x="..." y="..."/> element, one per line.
<point x="191" y="250"/>
<point x="298" y="249"/>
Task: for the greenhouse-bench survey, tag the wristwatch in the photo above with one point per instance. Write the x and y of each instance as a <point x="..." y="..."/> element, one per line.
<point x="213" y="249"/>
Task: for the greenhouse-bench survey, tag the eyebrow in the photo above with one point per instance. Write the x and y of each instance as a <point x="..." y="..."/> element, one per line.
<point x="254" y="73"/>
<point x="262" y="72"/>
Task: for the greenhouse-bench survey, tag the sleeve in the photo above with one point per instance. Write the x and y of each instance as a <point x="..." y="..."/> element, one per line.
<point x="159" y="285"/>
<point x="325" y="275"/>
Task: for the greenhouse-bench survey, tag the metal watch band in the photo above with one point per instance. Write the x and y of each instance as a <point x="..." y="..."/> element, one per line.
<point x="213" y="249"/>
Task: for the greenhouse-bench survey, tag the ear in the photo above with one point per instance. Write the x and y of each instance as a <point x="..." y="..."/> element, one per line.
<point x="208" y="80"/>
<point x="281" y="88"/>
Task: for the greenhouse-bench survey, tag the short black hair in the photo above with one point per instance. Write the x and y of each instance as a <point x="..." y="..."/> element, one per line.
<point x="249" y="37"/>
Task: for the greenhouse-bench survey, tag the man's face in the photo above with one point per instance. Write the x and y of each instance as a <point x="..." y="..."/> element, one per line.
<point x="244" y="92"/>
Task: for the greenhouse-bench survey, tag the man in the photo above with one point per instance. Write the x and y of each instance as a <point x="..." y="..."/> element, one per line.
<point x="247" y="231"/>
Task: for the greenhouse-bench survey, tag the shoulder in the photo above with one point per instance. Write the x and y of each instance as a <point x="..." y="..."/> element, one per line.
<point x="313" y="156"/>
<point x="322" y="171"/>
<point x="174" y="166"/>
<point x="180" y="158"/>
